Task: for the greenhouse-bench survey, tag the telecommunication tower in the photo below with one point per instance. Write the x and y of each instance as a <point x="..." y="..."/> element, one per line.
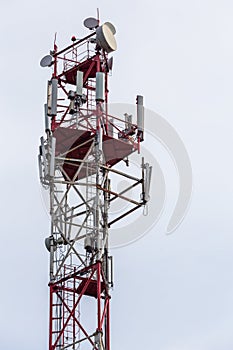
<point x="77" y="158"/>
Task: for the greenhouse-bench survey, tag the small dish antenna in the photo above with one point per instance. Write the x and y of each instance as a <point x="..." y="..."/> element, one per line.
<point x="105" y="37"/>
<point x="91" y="23"/>
<point x="46" y="61"/>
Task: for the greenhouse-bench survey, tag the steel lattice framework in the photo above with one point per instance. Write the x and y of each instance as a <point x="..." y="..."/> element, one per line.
<point x="77" y="156"/>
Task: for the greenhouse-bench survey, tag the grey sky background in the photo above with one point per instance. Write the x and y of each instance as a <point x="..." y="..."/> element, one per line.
<point x="171" y="292"/>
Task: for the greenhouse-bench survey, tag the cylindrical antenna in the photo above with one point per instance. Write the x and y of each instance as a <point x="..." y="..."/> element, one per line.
<point x="100" y="86"/>
<point x="79" y="83"/>
<point x="140" y="117"/>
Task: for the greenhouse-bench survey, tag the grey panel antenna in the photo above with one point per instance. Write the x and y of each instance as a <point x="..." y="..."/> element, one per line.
<point x="91" y="23"/>
<point x="111" y="27"/>
<point x="46" y="61"/>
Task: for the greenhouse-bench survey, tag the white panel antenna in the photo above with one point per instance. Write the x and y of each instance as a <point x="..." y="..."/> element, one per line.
<point x="110" y="128"/>
<point x="43" y="153"/>
<point x="79" y="83"/>
<point x="52" y="97"/>
<point x="40" y="168"/>
<point x="128" y="121"/>
<point x="100" y="86"/>
<point x="148" y="173"/>
<point x="52" y="156"/>
<point x="140" y="116"/>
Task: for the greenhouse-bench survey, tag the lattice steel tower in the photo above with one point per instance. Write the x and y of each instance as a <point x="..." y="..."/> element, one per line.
<point x="77" y="156"/>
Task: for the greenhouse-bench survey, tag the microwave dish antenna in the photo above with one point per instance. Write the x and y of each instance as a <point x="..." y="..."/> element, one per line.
<point x="46" y="61"/>
<point x="91" y="23"/>
<point x="111" y="27"/>
<point x="105" y="37"/>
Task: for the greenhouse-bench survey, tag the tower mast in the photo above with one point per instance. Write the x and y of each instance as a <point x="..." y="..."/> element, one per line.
<point x="77" y="156"/>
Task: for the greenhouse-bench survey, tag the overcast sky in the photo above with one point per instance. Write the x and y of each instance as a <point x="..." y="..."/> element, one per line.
<point x="171" y="292"/>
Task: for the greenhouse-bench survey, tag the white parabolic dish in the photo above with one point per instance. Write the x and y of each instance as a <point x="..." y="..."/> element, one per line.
<point x="105" y="38"/>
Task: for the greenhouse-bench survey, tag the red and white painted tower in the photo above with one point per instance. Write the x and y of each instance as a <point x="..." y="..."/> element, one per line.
<point x="81" y="146"/>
